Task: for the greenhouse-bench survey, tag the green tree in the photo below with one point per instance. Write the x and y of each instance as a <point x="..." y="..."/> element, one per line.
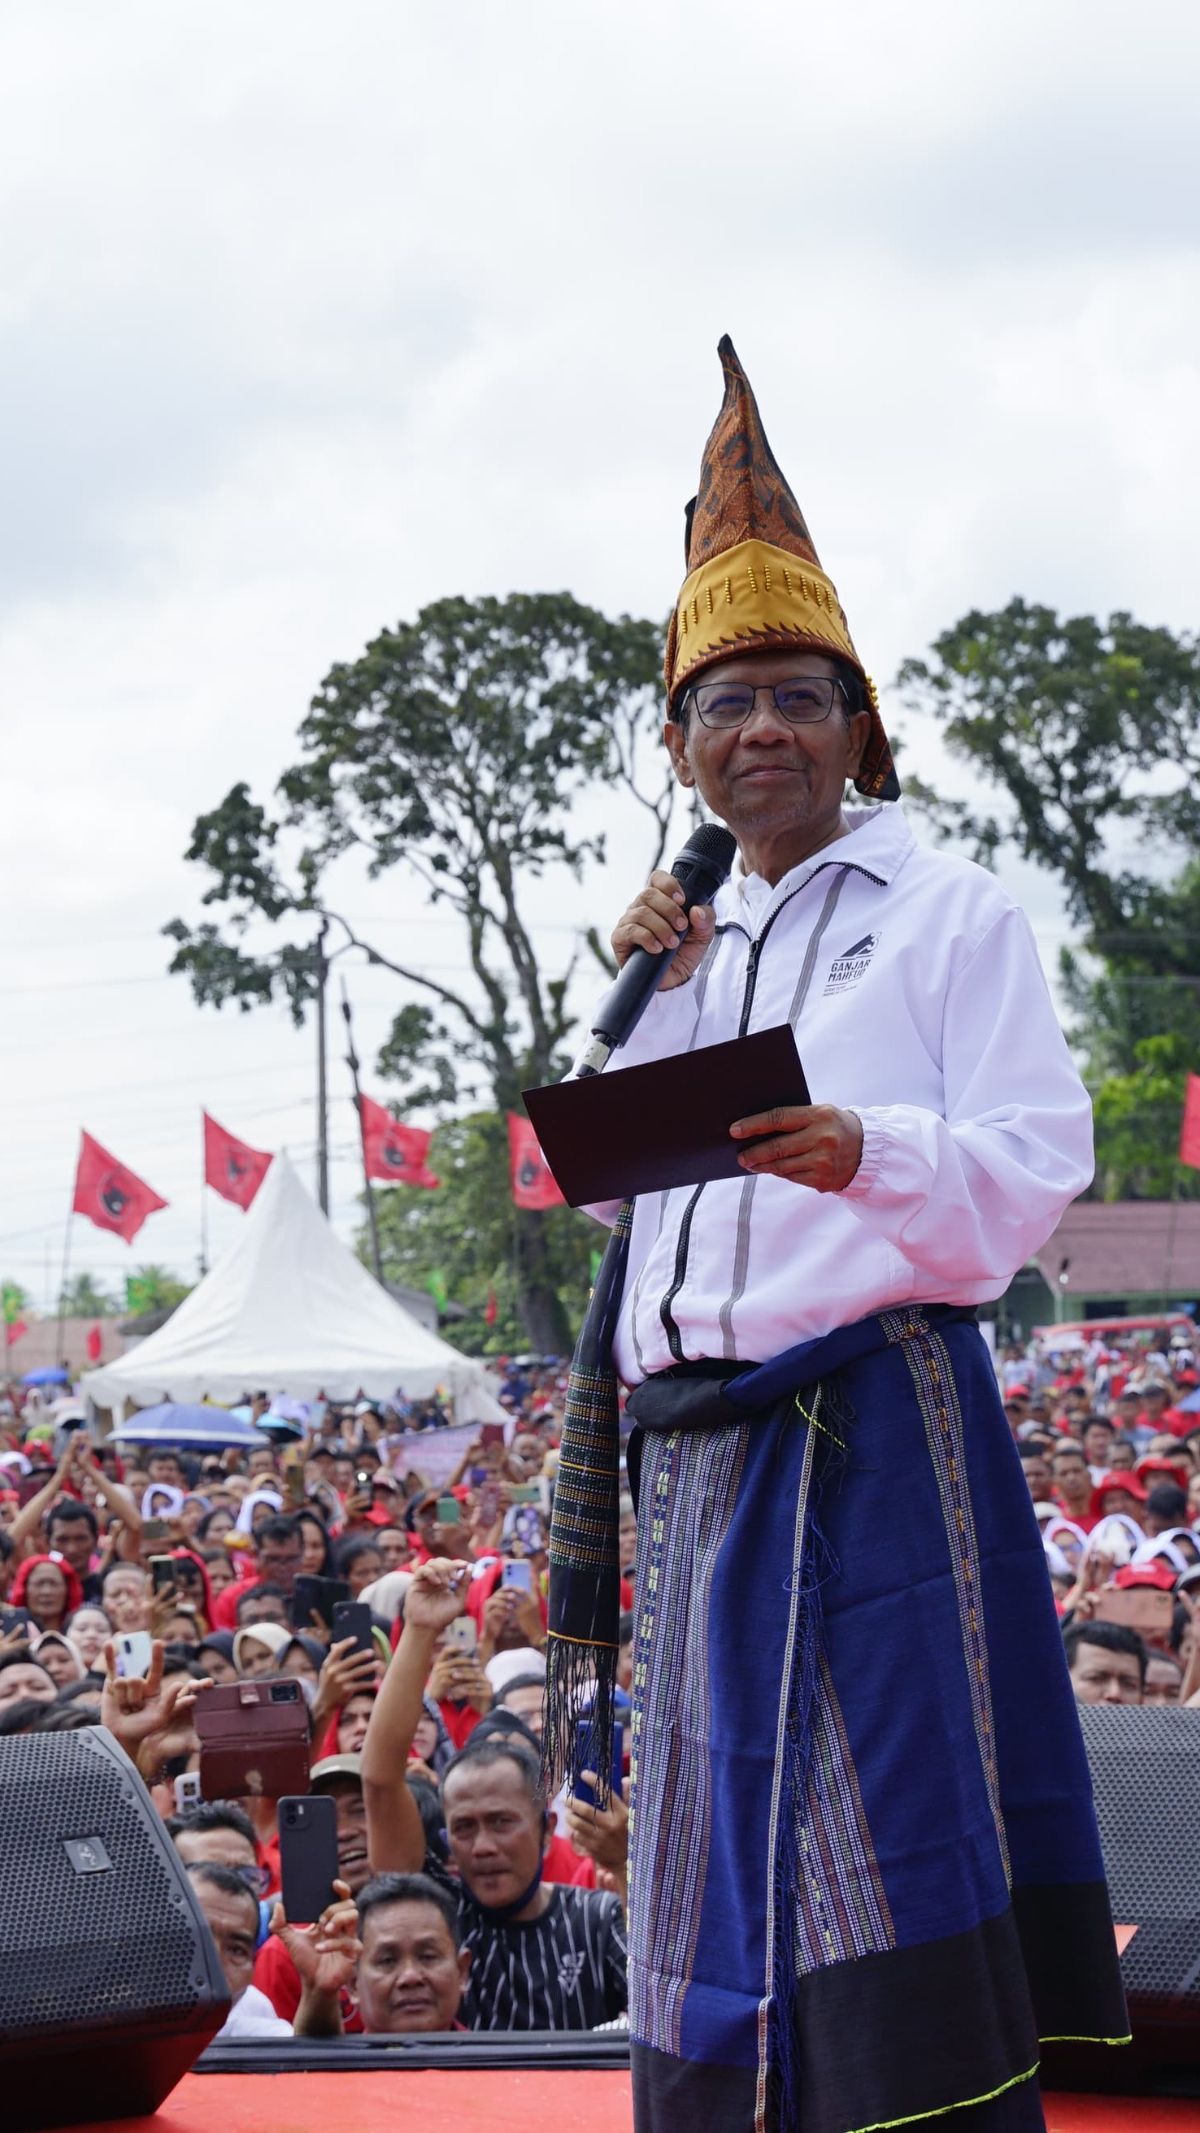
<point x="1081" y="728"/>
<point x="1137" y="1125"/>
<point x="82" y="1298"/>
<point x="467" y="1231"/>
<point x="1088" y="735"/>
<point x="457" y="746"/>
<point x="153" y="1289"/>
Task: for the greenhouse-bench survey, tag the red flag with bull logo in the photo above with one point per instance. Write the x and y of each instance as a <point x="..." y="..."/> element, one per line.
<point x="109" y="1194"/>
<point x="530" y="1175"/>
<point x="393" y="1153"/>
<point x="231" y="1167"/>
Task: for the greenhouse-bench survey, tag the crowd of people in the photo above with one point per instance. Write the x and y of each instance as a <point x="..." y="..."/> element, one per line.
<point x="466" y="1899"/>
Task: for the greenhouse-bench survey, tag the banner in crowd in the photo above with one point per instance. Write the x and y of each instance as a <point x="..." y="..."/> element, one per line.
<point x="530" y="1175"/>
<point x="395" y="1154"/>
<point x="1189" y="1131"/>
<point x="432" y="1453"/>
<point x="109" y="1194"/>
<point x="231" y="1167"/>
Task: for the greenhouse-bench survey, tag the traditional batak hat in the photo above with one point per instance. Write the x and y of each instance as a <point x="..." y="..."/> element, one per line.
<point x="754" y="580"/>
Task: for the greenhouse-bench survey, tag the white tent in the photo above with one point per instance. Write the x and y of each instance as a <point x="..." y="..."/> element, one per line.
<point x="289" y="1309"/>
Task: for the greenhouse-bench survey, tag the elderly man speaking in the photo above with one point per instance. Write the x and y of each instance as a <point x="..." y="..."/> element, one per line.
<point x="865" y="1875"/>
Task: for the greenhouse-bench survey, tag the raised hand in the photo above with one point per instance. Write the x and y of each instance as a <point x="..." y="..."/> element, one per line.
<point x="656" y="920"/>
<point x="325" y="1954"/>
<point x="150" y="1717"/>
<point x="437" y="1595"/>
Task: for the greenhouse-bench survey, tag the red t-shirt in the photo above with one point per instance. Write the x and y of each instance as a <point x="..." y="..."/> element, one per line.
<point x="564" y="1864"/>
<point x="225" y="1606"/>
<point x="460" y="1721"/>
<point x="276" y="1974"/>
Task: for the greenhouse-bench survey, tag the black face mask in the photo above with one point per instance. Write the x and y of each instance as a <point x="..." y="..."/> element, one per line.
<point x="503" y="1912"/>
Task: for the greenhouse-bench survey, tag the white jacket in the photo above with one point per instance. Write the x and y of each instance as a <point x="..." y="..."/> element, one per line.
<point x="914" y="987"/>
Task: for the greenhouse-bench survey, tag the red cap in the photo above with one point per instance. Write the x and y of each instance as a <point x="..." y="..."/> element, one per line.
<point x="1156" y="1463"/>
<point x="1155" y="1574"/>
<point x="1128" y="1482"/>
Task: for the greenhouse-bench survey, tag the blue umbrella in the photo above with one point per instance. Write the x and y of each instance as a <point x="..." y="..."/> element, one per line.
<point x="50" y="1375"/>
<point x="175" y="1423"/>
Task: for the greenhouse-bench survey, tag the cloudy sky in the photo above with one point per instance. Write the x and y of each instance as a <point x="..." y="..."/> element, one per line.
<point x="310" y="314"/>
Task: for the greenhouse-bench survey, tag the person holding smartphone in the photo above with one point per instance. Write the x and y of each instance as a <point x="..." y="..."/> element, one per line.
<point x="543" y="1955"/>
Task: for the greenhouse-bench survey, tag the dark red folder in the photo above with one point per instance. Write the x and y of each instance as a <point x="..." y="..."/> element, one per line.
<point x="644" y="1128"/>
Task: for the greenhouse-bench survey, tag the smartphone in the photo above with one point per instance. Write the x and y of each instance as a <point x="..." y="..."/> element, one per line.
<point x="293" y="1482"/>
<point x="155" y="1529"/>
<point x="352" y="1618"/>
<point x="308" y="1856"/>
<point x="254" y="1740"/>
<point x="588" y="1747"/>
<point x="162" y="1572"/>
<point x="134" y="1652"/>
<point x="491" y="1433"/>
<point x="517" y="1575"/>
<point x="462" y="1635"/>
<point x="187" y="1790"/>
<point x="316" y="1596"/>
<point x="477" y="1475"/>
<point x="449" y="1511"/>
<point x="527" y="1492"/>
<point x="489" y="1502"/>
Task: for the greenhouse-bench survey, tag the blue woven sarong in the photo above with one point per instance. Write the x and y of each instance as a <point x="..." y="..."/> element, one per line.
<point x="865" y="1872"/>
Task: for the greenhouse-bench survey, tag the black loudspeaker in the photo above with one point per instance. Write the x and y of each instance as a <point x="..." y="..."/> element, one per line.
<point x="110" y="1985"/>
<point x="1146" y="1777"/>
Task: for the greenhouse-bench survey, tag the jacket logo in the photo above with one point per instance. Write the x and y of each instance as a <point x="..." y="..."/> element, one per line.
<point x="848" y="967"/>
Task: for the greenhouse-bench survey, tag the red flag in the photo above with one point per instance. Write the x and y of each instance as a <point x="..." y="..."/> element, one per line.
<point x="14" y="1330"/>
<point x="94" y="1344"/>
<point x="529" y="1173"/>
<point x="491" y="1309"/>
<point x="109" y="1195"/>
<point x="392" y="1152"/>
<point x="1189" y="1131"/>
<point x="230" y="1167"/>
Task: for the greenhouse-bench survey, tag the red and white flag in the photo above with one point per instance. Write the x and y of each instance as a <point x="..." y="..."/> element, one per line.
<point x="111" y="1196"/>
<point x="231" y="1167"/>
<point x="393" y="1153"/>
<point x="529" y="1174"/>
<point x="1189" y="1129"/>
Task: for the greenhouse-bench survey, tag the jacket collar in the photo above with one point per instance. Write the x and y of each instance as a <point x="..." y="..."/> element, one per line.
<point x="880" y="841"/>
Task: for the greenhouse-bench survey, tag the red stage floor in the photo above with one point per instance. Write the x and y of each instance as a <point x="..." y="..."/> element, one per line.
<point x="525" y="2102"/>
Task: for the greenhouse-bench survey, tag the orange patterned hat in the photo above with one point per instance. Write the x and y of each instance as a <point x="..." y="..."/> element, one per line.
<point x="754" y="578"/>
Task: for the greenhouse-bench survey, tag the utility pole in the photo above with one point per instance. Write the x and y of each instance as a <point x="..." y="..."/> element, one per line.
<point x="322" y="1082"/>
<point x="368" y="1189"/>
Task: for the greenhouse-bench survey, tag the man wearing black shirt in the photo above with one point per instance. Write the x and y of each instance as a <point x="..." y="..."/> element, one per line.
<point x="542" y="1956"/>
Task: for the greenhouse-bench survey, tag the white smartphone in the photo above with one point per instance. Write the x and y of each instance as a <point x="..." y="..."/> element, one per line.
<point x="187" y="1789"/>
<point x="134" y="1652"/>
<point x="462" y="1635"/>
<point x="518" y="1574"/>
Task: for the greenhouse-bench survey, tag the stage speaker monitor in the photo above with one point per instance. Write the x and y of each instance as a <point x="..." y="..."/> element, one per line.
<point x="1145" y="1763"/>
<point x="110" y="1985"/>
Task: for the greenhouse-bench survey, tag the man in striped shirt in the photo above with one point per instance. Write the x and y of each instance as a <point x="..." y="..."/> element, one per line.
<point x="543" y="1956"/>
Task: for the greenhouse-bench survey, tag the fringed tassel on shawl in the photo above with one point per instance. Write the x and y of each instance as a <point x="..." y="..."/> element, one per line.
<point x="585" y="1573"/>
<point x="827" y="1417"/>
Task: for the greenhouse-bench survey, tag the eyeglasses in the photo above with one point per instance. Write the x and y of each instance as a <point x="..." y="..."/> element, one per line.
<point x="256" y="1878"/>
<point x="804" y="700"/>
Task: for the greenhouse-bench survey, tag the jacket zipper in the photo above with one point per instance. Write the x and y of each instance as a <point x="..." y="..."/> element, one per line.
<point x="683" y="1243"/>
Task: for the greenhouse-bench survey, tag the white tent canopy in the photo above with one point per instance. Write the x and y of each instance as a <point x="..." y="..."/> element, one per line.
<point x="289" y="1309"/>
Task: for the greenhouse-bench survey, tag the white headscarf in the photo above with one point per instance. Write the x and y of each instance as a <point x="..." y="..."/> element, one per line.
<point x="246" y="1514"/>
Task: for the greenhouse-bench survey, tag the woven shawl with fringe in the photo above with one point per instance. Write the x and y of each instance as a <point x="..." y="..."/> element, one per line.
<point x="585" y="1570"/>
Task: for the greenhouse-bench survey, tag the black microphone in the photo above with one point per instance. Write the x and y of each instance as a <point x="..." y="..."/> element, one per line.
<point x="700" y="868"/>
